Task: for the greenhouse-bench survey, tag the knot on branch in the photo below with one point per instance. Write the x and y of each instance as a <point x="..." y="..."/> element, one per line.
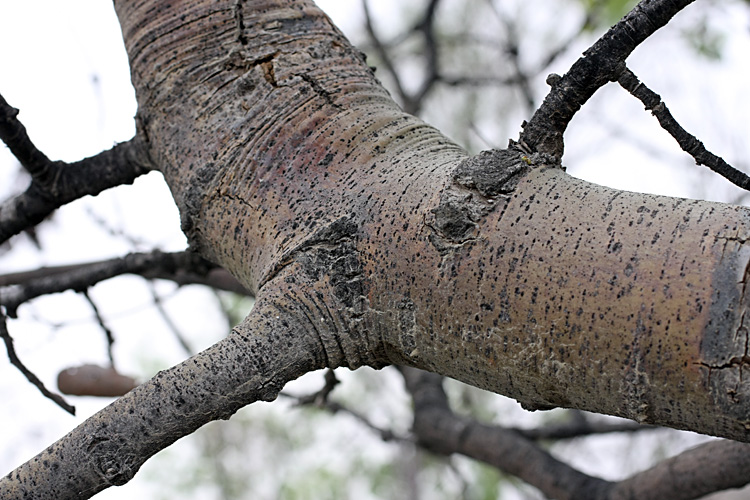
<point x="477" y="183"/>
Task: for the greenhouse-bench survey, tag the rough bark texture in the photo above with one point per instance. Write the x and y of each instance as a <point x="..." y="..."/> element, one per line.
<point x="372" y="239"/>
<point x="252" y="364"/>
<point x="530" y="283"/>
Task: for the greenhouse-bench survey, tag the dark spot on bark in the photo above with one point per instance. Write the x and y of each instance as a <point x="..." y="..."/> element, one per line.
<point x="453" y="219"/>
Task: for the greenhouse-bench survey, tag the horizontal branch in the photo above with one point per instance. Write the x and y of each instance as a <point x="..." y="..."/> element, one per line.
<point x="181" y="267"/>
<point x="440" y="430"/>
<point x="715" y="466"/>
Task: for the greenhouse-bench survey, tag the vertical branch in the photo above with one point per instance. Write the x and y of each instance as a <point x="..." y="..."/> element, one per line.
<point x="103" y="326"/>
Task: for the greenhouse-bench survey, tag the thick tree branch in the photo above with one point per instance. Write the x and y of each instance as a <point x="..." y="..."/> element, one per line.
<point x="442" y="431"/>
<point x="55" y="183"/>
<point x="600" y="64"/>
<point x="259" y="356"/>
<point x="715" y="466"/>
<point x="689" y="143"/>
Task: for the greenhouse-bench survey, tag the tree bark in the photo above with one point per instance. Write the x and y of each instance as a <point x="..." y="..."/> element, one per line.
<point x="369" y="239"/>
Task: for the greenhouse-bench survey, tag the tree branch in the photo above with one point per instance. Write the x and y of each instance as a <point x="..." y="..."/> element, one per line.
<point x="257" y="359"/>
<point x="600" y="64"/>
<point x="181" y="267"/>
<point x="442" y="431"/>
<point x="55" y="183"/>
<point x="689" y="143"/>
<point x="15" y="361"/>
<point x="715" y="466"/>
<point x="13" y="134"/>
<point x="321" y="400"/>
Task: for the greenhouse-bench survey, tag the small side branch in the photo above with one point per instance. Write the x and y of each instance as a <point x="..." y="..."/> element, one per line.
<point x="321" y="400"/>
<point x="412" y="102"/>
<point x="55" y="183"/>
<point x="15" y="361"/>
<point x="689" y="143"/>
<point x="103" y="325"/>
<point x="600" y="64"/>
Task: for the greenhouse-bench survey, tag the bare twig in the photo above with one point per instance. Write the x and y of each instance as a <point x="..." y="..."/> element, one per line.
<point x="181" y="267"/>
<point x="15" y="361"/>
<point x="170" y="324"/>
<point x="320" y="397"/>
<point x="689" y="143"/>
<point x="383" y="55"/>
<point x="320" y="400"/>
<point x="427" y="27"/>
<point x="103" y="326"/>
<point x="412" y="103"/>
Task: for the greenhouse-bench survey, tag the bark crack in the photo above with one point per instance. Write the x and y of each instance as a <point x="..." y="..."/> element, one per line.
<point x="318" y="89"/>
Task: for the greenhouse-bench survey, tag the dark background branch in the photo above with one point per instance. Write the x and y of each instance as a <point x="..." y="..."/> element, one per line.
<point x="55" y="183"/>
<point x="180" y="267"/>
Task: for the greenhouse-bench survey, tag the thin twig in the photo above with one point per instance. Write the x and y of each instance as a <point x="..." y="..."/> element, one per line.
<point x="170" y="324"/>
<point x="15" y="361"/>
<point x="320" y="400"/>
<point x="689" y="143"/>
<point x="384" y="56"/>
<point x="102" y="325"/>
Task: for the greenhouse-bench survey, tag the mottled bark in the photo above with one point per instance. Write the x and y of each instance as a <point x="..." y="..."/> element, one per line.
<point x="370" y="239"/>
<point x="252" y="364"/>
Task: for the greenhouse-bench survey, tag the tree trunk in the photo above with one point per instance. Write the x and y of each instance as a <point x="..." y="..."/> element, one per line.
<point x="371" y="239"/>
